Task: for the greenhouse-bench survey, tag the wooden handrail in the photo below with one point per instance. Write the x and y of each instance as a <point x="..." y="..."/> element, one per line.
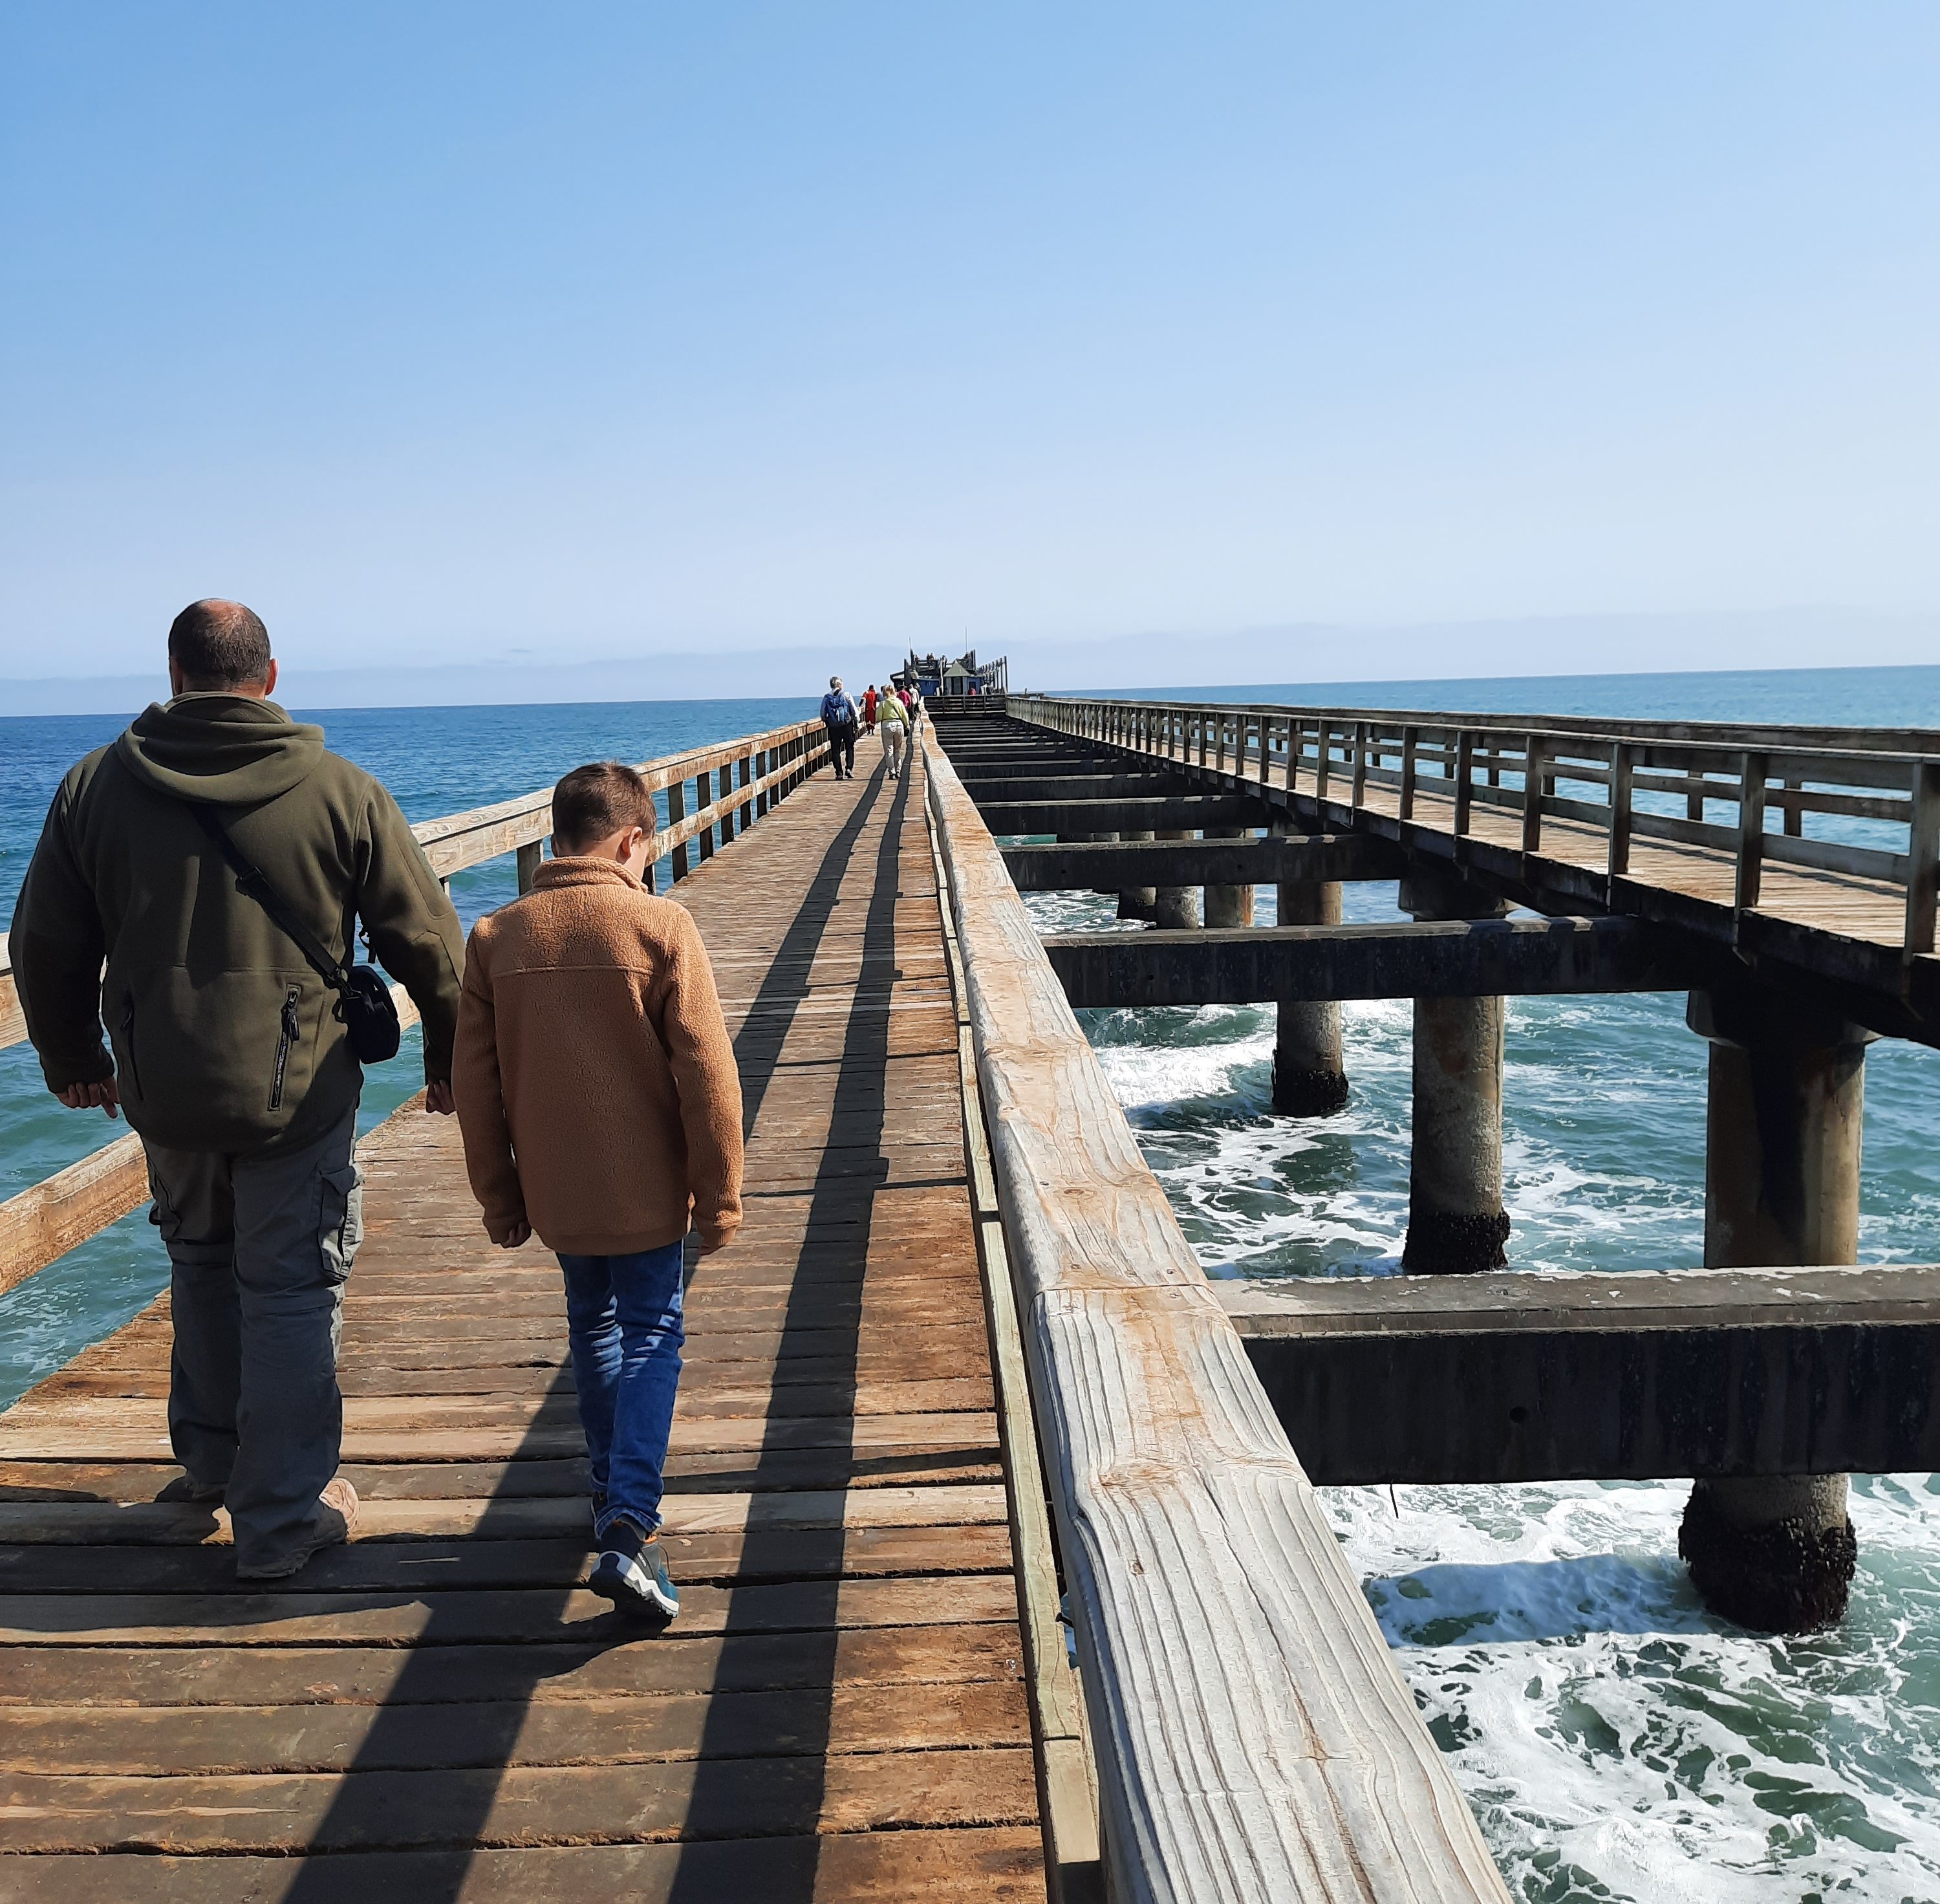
<point x="43" y="1222"/>
<point x="1889" y="777"/>
<point x="1252" y="1735"/>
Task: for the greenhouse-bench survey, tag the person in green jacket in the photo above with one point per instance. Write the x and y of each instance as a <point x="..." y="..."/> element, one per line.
<point x="223" y="1048"/>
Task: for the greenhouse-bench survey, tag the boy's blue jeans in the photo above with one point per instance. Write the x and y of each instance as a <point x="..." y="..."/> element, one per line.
<point x="622" y="1314"/>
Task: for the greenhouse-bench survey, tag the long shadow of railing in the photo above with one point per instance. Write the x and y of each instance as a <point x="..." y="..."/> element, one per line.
<point x="365" y="1812"/>
<point x="365" y="1808"/>
<point x="827" y="1286"/>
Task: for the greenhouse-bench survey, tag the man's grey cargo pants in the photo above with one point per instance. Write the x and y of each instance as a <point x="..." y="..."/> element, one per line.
<point x="260" y="1246"/>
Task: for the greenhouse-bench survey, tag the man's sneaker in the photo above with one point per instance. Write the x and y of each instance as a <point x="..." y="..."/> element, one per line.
<point x="186" y="1488"/>
<point x="335" y="1520"/>
<point x="632" y="1572"/>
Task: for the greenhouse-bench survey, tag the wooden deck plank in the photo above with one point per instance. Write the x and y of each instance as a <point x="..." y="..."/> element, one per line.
<point x="971" y="1866"/>
<point x="835" y="1513"/>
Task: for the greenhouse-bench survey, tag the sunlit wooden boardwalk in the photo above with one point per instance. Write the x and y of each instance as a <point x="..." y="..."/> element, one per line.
<point x="440" y="1710"/>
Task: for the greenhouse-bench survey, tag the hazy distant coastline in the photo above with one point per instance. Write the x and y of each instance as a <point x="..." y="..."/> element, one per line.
<point x="1333" y="656"/>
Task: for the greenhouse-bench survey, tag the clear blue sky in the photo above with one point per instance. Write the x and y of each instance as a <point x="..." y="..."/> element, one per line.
<point x="444" y="331"/>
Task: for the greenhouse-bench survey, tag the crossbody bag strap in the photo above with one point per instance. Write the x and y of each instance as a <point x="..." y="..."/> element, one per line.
<point x="253" y="882"/>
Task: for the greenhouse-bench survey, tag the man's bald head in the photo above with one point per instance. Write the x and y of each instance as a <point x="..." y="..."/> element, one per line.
<point x="219" y="647"/>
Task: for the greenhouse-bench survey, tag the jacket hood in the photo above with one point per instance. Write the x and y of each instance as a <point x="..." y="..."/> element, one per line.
<point x="230" y="748"/>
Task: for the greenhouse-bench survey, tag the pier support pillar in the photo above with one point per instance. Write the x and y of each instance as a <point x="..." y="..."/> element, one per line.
<point x="1783" y="1117"/>
<point x="1175" y="907"/>
<point x="1455" y="1222"/>
<point x="1309" y="1079"/>
<point x="1228" y="905"/>
<point x="1137" y="902"/>
<point x="1105" y="892"/>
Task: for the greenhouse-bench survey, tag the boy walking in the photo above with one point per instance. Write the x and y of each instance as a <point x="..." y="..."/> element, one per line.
<point x="600" y="1105"/>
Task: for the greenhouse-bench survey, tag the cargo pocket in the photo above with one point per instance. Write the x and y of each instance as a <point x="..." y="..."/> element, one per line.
<point x="340" y="1226"/>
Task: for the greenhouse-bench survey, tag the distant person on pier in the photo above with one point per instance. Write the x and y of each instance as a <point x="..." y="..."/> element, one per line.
<point x="217" y="859"/>
<point x="601" y="1106"/>
<point x="869" y="707"/>
<point x="896" y="734"/>
<point x="839" y="719"/>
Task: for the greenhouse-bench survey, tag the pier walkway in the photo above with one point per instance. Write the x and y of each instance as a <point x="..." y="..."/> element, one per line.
<point x="440" y="1710"/>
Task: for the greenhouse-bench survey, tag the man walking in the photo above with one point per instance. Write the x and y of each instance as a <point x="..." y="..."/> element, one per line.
<point x="838" y="718"/>
<point x="226" y="1051"/>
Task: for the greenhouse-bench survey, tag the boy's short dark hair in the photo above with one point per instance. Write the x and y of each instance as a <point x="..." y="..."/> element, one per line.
<point x="220" y="645"/>
<point x="595" y="802"/>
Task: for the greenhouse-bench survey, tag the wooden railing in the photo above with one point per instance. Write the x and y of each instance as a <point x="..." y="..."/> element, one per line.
<point x="734" y="784"/>
<point x="1628" y="778"/>
<point x="1253" y="1738"/>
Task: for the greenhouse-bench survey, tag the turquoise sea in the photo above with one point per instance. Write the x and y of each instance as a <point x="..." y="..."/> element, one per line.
<point x="1617" y="1742"/>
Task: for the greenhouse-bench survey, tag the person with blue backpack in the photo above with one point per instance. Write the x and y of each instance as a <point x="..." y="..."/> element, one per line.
<point x="839" y="718"/>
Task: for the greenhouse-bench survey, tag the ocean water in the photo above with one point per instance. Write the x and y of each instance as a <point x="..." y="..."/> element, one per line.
<point x="435" y="761"/>
<point x="1616" y="1741"/>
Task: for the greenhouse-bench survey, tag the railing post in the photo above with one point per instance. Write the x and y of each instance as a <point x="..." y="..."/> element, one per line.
<point x="1409" y="737"/>
<point x="1360" y="764"/>
<point x="529" y="865"/>
<point x="1532" y="794"/>
<point x="703" y="798"/>
<point x="1923" y="856"/>
<point x="1751" y="832"/>
<point x="676" y="794"/>
<point x="1323" y="745"/>
<point x="1623" y="767"/>
<point x="1464" y="766"/>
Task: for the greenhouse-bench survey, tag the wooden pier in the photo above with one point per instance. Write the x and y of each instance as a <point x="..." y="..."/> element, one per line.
<point x="960" y="1407"/>
<point x="440" y="1710"/>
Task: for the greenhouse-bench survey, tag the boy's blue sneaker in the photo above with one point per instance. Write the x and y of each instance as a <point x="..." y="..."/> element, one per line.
<point x="632" y="1572"/>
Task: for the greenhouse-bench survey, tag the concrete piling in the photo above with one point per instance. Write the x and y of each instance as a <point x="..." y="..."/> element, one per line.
<point x="1783" y="1119"/>
<point x="1137" y="902"/>
<point x="1228" y="905"/>
<point x="1175" y="908"/>
<point x="1455" y="1222"/>
<point x="1309" y="1077"/>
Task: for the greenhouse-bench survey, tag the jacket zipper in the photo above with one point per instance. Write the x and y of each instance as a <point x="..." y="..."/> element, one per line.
<point x="283" y="1044"/>
<point x="128" y="1044"/>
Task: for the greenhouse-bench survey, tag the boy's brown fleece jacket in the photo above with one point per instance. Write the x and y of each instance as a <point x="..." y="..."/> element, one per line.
<point x="596" y="1082"/>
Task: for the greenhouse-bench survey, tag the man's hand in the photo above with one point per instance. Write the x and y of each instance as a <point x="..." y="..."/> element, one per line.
<point x="103" y="1096"/>
<point x="438" y="1097"/>
<point x="509" y="1236"/>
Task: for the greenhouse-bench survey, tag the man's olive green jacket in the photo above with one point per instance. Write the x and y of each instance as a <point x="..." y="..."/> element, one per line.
<point x="222" y="1038"/>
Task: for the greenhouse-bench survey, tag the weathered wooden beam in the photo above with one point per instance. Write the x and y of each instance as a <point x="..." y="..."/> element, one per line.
<point x="1112" y="867"/>
<point x="1483" y="958"/>
<point x="1145" y="814"/>
<point x="1638" y="1375"/>
<point x="1060" y="783"/>
<point x="1253" y="1737"/>
<point x="66" y="1209"/>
